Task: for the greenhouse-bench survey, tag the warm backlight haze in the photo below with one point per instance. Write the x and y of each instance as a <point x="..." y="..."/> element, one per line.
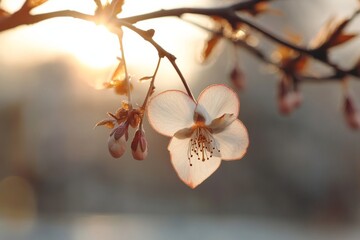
<point x="96" y="48"/>
<point x="93" y="45"/>
<point x="298" y="180"/>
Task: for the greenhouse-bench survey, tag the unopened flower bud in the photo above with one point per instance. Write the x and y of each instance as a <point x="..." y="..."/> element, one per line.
<point x="288" y="97"/>
<point x="352" y="116"/>
<point x="285" y="99"/>
<point x="139" y="146"/>
<point x="117" y="140"/>
<point x="286" y="104"/>
<point x="117" y="147"/>
<point x="297" y="98"/>
<point x="237" y="78"/>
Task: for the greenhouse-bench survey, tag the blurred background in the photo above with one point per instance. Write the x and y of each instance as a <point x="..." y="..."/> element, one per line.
<point x="299" y="180"/>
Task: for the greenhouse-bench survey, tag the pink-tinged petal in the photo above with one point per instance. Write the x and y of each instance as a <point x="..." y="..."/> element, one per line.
<point x="220" y="123"/>
<point x="201" y="115"/>
<point x="171" y="111"/>
<point x="233" y="141"/>
<point x="184" y="133"/>
<point x="218" y="100"/>
<point x="199" y="171"/>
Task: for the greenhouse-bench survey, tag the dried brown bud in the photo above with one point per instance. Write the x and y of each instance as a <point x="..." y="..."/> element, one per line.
<point x="139" y="146"/>
<point x="210" y="45"/>
<point x="121" y="115"/>
<point x="352" y="115"/>
<point x="34" y="3"/>
<point x="109" y="123"/>
<point x="117" y="6"/>
<point x="121" y="87"/>
<point x="237" y="78"/>
<point x="332" y="34"/>
<point x="150" y="33"/>
<point x="258" y="8"/>
<point x="135" y="117"/>
<point x="288" y="99"/>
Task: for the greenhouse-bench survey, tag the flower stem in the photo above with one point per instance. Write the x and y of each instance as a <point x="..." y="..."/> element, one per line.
<point x="125" y="69"/>
<point x="183" y="80"/>
<point x="151" y="87"/>
<point x="161" y="51"/>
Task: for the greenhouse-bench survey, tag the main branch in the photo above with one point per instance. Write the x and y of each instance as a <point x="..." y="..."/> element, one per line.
<point x="231" y="13"/>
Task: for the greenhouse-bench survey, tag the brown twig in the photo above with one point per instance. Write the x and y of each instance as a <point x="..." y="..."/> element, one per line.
<point x="262" y="56"/>
<point x="178" y="12"/>
<point x="147" y="36"/>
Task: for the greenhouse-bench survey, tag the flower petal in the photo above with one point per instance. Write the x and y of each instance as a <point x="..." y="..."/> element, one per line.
<point x="199" y="171"/>
<point x="233" y="141"/>
<point x="201" y="115"/>
<point x="171" y="111"/>
<point x="218" y="100"/>
<point x="184" y="133"/>
<point x="220" y="123"/>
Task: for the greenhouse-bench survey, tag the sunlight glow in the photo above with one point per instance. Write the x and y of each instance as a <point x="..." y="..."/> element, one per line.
<point x="92" y="45"/>
<point x="96" y="48"/>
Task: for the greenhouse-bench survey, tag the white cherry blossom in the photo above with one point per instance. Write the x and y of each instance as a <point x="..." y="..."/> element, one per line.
<point x="203" y="133"/>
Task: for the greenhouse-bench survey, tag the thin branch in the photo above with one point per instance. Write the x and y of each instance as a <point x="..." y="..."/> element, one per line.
<point x="270" y="35"/>
<point x="178" y="12"/>
<point x="125" y="67"/>
<point x="313" y="53"/>
<point x="147" y="36"/>
<point x="262" y="56"/>
<point x="152" y="83"/>
<point x="18" y="19"/>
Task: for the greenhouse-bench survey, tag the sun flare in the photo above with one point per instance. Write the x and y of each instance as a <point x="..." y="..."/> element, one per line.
<point x="94" y="46"/>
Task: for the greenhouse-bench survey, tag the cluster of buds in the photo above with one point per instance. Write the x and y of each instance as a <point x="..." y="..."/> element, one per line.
<point x="120" y="121"/>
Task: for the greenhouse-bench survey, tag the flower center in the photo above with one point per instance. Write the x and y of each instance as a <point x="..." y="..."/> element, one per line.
<point x="202" y="144"/>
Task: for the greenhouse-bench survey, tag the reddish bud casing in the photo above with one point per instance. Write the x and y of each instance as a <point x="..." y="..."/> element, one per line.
<point x="139" y="146"/>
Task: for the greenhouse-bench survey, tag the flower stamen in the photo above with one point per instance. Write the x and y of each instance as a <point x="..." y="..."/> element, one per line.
<point x="202" y="144"/>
